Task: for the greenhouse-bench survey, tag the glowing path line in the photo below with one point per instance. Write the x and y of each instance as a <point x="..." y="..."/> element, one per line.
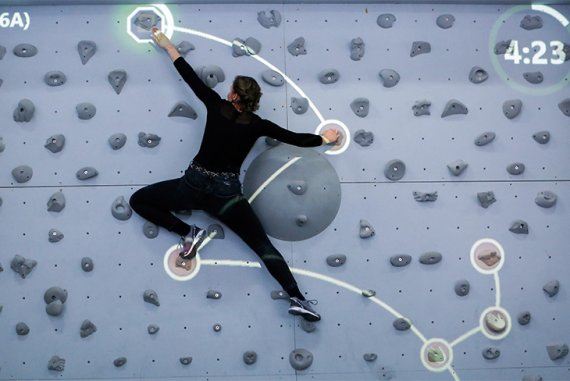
<point x="552" y="12"/>
<point x="453" y="374"/>
<point x="230" y="262"/>
<point x="464" y="337"/>
<point x="497" y="290"/>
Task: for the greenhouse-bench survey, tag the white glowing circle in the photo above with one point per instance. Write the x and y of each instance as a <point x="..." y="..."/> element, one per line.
<point x="175" y="276"/>
<point x="167" y="24"/>
<point x="446" y="350"/>
<point x="336" y="124"/>
<point x="503" y="313"/>
<point x="487" y="243"/>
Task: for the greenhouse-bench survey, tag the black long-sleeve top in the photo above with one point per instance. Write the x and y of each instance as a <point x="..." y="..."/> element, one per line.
<point x="229" y="134"/>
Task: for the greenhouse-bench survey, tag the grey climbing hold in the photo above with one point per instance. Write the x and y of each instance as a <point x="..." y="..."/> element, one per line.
<point x="557" y="352"/>
<point x="299" y="105"/>
<point x="2" y="51"/>
<point x="183" y="109"/>
<point x="24" y="112"/>
<point x="273" y="78"/>
<point x="273" y="19"/>
<point x="216" y="231"/>
<point x="153" y="329"/>
<point x="501" y="47"/>
<point x="150" y="296"/>
<point x="401" y="324"/>
<point x="22" y="173"/>
<point x="86" y="173"/>
<point x="336" y="260"/>
<point x="86" y="50"/>
<point x="25" y="50"/>
<point x="57" y="364"/>
<point x="298" y="187"/>
<point x="531" y="22"/>
<point x="485" y="138"/>
<point x="541" y="137"/>
<point x="87" y="264"/>
<point x="147" y="20"/>
<point x="87" y="329"/>
<point x="421" y="108"/>
<point x="217" y="327"/>
<point x="308" y="326"/>
<point x="491" y="353"/>
<point x="515" y="168"/>
<point x="117" y="79"/>
<point x="150" y="230"/>
<point x="55" y="143"/>
<point x="551" y="288"/>
<point x="55" y="308"/>
<point x="454" y="107"/>
<point x="546" y="199"/>
<point x="185" y="360"/>
<point x="524" y="318"/>
<point x="363" y="138"/>
<point x="279" y="295"/>
<point x="430" y="258"/>
<point x="356" y="49"/>
<point x="486" y="198"/>
<point x="2" y="145"/>
<point x="184" y="47"/>
<point x="457" y="167"/>
<point x="121" y="209"/>
<point x="420" y="47"/>
<point x="250" y="357"/>
<point x="55" y="235"/>
<point x="368" y="293"/>
<point x="512" y="108"/>
<point x="22" y="329"/>
<point x="360" y="107"/>
<point x="400" y="260"/>
<point x="389" y="77"/>
<point x="425" y="197"/>
<point x="445" y="21"/>
<point x="56" y="202"/>
<point x="55" y="293"/>
<point x="462" y="287"/>
<point x="519" y="227"/>
<point x="249" y="47"/>
<point x="119" y="362"/>
<point x="300" y="359"/>
<point x="478" y="75"/>
<point x="301" y="220"/>
<point x="148" y="140"/>
<point x="534" y="77"/>
<point x="564" y="106"/>
<point x="386" y="20"/>
<point x="297" y="47"/>
<point x="366" y="230"/>
<point x="329" y="76"/>
<point x="55" y="78"/>
<point x="117" y="141"/>
<point x="211" y="75"/>
<point x="395" y="170"/>
<point x="369" y="357"/>
<point x="213" y="294"/>
<point x="85" y="111"/>
<point x="532" y="378"/>
<point x="22" y="265"/>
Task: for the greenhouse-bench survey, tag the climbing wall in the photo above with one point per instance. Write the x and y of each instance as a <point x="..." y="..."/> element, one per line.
<point x="446" y="256"/>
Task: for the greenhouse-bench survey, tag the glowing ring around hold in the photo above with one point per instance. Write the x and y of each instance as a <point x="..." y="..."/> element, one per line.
<point x="486" y="331"/>
<point x="447" y="361"/>
<point x="176" y="276"/>
<point x="487" y="241"/>
<point x="333" y="123"/>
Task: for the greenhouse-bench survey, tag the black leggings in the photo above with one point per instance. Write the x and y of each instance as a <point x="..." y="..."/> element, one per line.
<point x="156" y="202"/>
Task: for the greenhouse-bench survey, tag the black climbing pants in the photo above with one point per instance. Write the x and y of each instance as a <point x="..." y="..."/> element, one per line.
<point x="221" y="197"/>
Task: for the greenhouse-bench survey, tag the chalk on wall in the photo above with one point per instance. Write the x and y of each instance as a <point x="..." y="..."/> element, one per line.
<point x="386" y="20"/>
<point x="297" y="47"/>
<point x="273" y="19"/>
<point x="86" y="50"/>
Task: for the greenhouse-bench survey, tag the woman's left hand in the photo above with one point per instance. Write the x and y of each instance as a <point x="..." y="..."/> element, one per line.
<point x="160" y="38"/>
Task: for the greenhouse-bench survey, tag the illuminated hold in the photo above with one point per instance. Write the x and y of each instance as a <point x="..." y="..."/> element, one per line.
<point x="369" y="357"/>
<point x="502" y="47"/>
<point x="445" y="21"/>
<point x="250" y="357"/>
<point x="430" y="258"/>
<point x="272" y="78"/>
<point x="279" y="295"/>
<point x="57" y="364"/>
<point x="298" y="187"/>
<point x="119" y="362"/>
<point x="22" y="329"/>
<point x="299" y="105"/>
<point x="400" y="260"/>
<point x="329" y="76"/>
<point x="211" y="75"/>
<point x="117" y="79"/>
<point x="120" y="209"/>
<point x="551" y="288"/>
<point x="512" y="108"/>
<point x="24" y="112"/>
<point x="485" y="138"/>
<point x="55" y="293"/>
<point x="489" y="257"/>
<point x="420" y="47"/>
<point x="148" y="140"/>
<point x="54" y="308"/>
<point x="217" y="327"/>
<point x="213" y="294"/>
<point x="308" y="326"/>
<point x="185" y="360"/>
<point x="216" y="231"/>
<point x="150" y="296"/>
<point x="55" y="143"/>
<point x="368" y="293"/>
<point x="249" y="47"/>
<point x="395" y="170"/>
<point x="491" y="353"/>
<point x="87" y="329"/>
<point x="297" y="47"/>
<point x="531" y="22"/>
<point x="86" y="50"/>
<point x="515" y="168"/>
<point x="519" y="227"/>
<point x="300" y="359"/>
<point x="401" y="324"/>
<point x="478" y="75"/>
<point x="273" y="19"/>
<point x="153" y="329"/>
<point x="357" y="49"/>
<point x="55" y="235"/>
<point x="86" y="173"/>
<point x="336" y="260"/>
<point x="462" y="287"/>
<point x="425" y="197"/>
<point x="457" y="167"/>
<point x="56" y="202"/>
<point x="495" y="322"/>
<point x="386" y="20"/>
<point x="486" y="198"/>
<point x="22" y="265"/>
<point x="360" y="107"/>
<point x="524" y="318"/>
<point x="421" y="108"/>
<point x="87" y="264"/>
<point x="564" y="106"/>
<point x="150" y="230"/>
<point x="546" y="199"/>
<point x="534" y="77"/>
<point x="557" y="352"/>
<point x="25" y="50"/>
<point x="454" y="107"/>
<point x="147" y="20"/>
<point x="541" y="137"/>
<point x="532" y="378"/>
<point x="366" y="230"/>
<point x="117" y="141"/>
<point x="301" y="220"/>
<point x="184" y="47"/>
<point x="2" y="51"/>
<point x="85" y="111"/>
<point x="183" y="109"/>
<point x="55" y="78"/>
<point x="2" y="145"/>
<point x="272" y="142"/>
<point x="389" y="77"/>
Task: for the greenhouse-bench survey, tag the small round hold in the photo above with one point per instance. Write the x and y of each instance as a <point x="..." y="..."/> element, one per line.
<point x="153" y="329"/>
<point x="301" y="220"/>
<point x="491" y="353"/>
<point x="462" y="287"/>
<point x="250" y="357"/>
<point x="86" y="173"/>
<point x="524" y="318"/>
<point x="22" y="329"/>
<point x="308" y="326"/>
<point x="117" y="141"/>
<point x="217" y="327"/>
<point x="368" y="293"/>
<point x="87" y="264"/>
<point x="120" y="362"/>
<point x="185" y="360"/>
<point x="516" y="168"/>
<point x="212" y="294"/>
<point x="401" y="324"/>
<point x="369" y="357"/>
<point x="300" y="359"/>
<point x="541" y="137"/>
<point x="336" y="260"/>
<point x="545" y="199"/>
<point x="150" y="230"/>
<point x="395" y="170"/>
<point x="55" y="308"/>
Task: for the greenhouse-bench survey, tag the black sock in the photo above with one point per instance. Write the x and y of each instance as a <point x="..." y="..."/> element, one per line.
<point x="295" y="292"/>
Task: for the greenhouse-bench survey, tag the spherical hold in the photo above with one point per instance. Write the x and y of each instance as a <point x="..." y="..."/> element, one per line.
<point x="85" y="111"/>
<point x="524" y="318"/>
<point x="300" y="359"/>
<point x="55" y="293"/>
<point x="217" y="327"/>
<point x="87" y="264"/>
<point x="462" y="287"/>
<point x="119" y="362"/>
<point x="395" y="170"/>
<point x="55" y="308"/>
<point x="22" y="329"/>
<point x="250" y="357"/>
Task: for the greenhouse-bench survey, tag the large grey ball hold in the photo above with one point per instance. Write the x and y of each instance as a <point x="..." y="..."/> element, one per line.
<point x="55" y="293"/>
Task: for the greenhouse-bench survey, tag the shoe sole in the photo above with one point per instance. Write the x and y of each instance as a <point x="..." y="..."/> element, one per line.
<point x="307" y="315"/>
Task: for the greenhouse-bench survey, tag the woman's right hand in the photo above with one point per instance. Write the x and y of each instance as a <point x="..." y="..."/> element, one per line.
<point x="160" y="38"/>
<point x="330" y="136"/>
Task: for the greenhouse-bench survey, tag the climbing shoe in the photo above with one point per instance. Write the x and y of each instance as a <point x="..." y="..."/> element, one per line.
<point x="189" y="245"/>
<point x="304" y="309"/>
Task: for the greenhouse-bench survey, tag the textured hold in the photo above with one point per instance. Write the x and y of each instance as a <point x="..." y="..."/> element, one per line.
<point x="524" y="318"/>
<point x="297" y="47"/>
<point x="273" y="78"/>
<point x="147" y="20"/>
<point x="356" y="49"/>
<point x="211" y="75"/>
<point x="519" y="227"/>
<point x="55" y="308"/>
<point x="217" y="327"/>
<point x="153" y="329"/>
<point x="22" y="265"/>
<point x="369" y="357"/>
<point x="56" y="363"/>
<point x="389" y="77"/>
<point x="184" y="47"/>
<point x="121" y="209"/>
<point x="491" y="353"/>
<point x="395" y="170"/>
<point x="420" y="47"/>
<point x="185" y="360"/>
<point x="85" y="111"/>
<point x="445" y="21"/>
<point x="532" y="378"/>
<point x="273" y="19"/>
<point x="56" y="202"/>
<point x="87" y="329"/>
<point x="117" y="79"/>
<point x="421" y="108"/>
<point x="360" y="107"/>
<point x="183" y="109"/>
<point x="546" y="199"/>
<point x="117" y="141"/>
<point x="401" y="324"/>
<point x="336" y="260"/>
<point x="495" y="322"/>
<point x="22" y="329"/>
<point x="501" y="47"/>
<point x="250" y="357"/>
<point x="55" y="293"/>
<point x="564" y="106"/>
<point x="213" y="294"/>
<point x="364" y="138"/>
<point x="531" y="22"/>
<point x="2" y="144"/>
<point x="301" y="220"/>
<point x="478" y="75"/>
<point x="329" y="76"/>
<point x="386" y="20"/>
<point x="86" y="50"/>
<point x="216" y="231"/>
<point x="298" y="187"/>
<point x="557" y="352"/>
<point x="24" y="112"/>
<point x="462" y="287"/>
<point x="454" y="107"/>
<point x="25" y="50"/>
<point x="368" y="293"/>
<point x="148" y="140"/>
<point x="366" y="230"/>
<point x="551" y="288"/>
<point x="486" y="198"/>
<point x="541" y="137"/>
<point x="308" y="326"/>
<point x="425" y="197"/>
<point x="249" y="47"/>
<point x="279" y="295"/>
<point x="55" y="78"/>
<point x="119" y="362"/>
<point x="300" y="359"/>
<point x="430" y="258"/>
<point x="400" y="260"/>
<point x="515" y="168"/>
<point x="87" y="264"/>
<point x="86" y="173"/>
<point x="512" y="108"/>
<point x="457" y="167"/>
<point x="150" y="230"/>
<point x="150" y="296"/>
<point x="55" y="143"/>
<point x="485" y="138"/>
<point x="299" y="105"/>
<point x="534" y="77"/>
<point x="55" y="235"/>
<point x="22" y="174"/>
